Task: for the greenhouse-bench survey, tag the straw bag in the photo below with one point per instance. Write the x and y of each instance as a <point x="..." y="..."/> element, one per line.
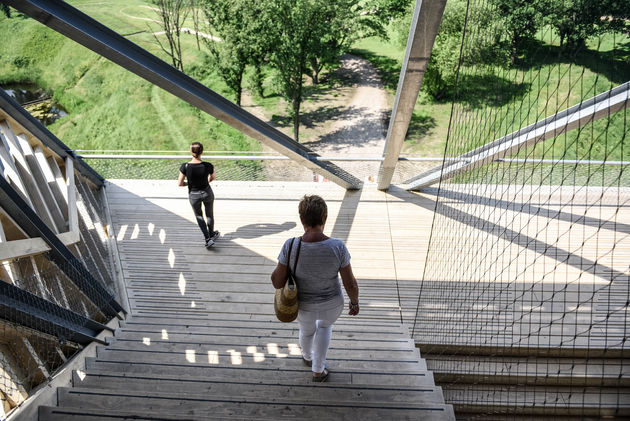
<point x="285" y="302"/>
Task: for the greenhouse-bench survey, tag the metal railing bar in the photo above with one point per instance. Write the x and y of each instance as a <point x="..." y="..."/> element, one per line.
<point x="354" y="159"/>
<point x="25" y="309"/>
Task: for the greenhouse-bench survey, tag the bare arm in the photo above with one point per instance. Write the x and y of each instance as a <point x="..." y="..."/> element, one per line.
<point x="279" y="276"/>
<point x="212" y="176"/>
<point x="352" y="288"/>
<point x="180" y="181"/>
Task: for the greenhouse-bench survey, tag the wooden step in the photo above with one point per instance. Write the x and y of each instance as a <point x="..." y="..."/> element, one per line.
<point x="612" y="372"/>
<point x="262" y="340"/>
<point x="280" y="406"/>
<point x="538" y="400"/>
<point x="343" y="323"/>
<point x="364" y="334"/>
<point x="57" y="413"/>
<point x="296" y="373"/>
<point x="262" y="389"/>
<point x="247" y="361"/>
<point x="261" y="353"/>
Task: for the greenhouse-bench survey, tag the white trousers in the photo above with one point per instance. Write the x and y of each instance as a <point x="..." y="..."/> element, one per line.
<point x="315" y="331"/>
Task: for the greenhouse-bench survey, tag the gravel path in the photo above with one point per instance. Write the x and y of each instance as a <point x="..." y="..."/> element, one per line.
<point x="360" y="129"/>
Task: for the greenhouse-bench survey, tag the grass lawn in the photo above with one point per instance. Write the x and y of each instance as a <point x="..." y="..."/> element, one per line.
<point x="109" y="107"/>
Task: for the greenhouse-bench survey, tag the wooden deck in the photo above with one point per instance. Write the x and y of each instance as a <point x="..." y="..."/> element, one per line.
<point x="161" y="245"/>
<point x="201" y="340"/>
<point x="201" y="337"/>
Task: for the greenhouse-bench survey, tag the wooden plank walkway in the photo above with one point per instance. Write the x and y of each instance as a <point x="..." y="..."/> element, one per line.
<point x="201" y="341"/>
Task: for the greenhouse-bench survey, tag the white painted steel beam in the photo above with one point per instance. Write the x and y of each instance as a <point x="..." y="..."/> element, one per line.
<point x="425" y="23"/>
<point x="579" y="115"/>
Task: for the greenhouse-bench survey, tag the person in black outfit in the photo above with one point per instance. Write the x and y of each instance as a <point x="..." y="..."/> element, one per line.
<point x="198" y="175"/>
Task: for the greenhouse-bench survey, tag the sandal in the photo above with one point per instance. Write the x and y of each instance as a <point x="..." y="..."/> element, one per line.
<point x="323" y="377"/>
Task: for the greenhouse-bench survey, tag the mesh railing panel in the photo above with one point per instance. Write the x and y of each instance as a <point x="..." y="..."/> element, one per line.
<point x="32" y="346"/>
<point x="523" y="309"/>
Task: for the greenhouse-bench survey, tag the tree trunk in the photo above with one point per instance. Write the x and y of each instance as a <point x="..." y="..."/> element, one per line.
<point x="258" y="81"/>
<point x="296" y="119"/>
<point x="239" y="89"/>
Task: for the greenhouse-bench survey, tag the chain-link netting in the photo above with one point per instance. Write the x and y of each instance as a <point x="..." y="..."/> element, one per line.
<point x="271" y="167"/>
<point x="523" y="309"/>
<point x="54" y="304"/>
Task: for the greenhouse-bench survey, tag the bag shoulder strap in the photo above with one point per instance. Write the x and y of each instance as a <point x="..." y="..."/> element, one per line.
<point x="289" y="255"/>
<point x="297" y="256"/>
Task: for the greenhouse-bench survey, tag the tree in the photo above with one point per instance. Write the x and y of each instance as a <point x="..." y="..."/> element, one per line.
<point x="480" y="46"/>
<point x="340" y="26"/>
<point x="5" y="9"/>
<point x="577" y="20"/>
<point x="172" y="15"/>
<point x="243" y="40"/>
<point x="521" y="19"/>
<point x="194" y="11"/>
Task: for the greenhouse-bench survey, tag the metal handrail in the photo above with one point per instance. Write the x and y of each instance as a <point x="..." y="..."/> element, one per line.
<point x="349" y="159"/>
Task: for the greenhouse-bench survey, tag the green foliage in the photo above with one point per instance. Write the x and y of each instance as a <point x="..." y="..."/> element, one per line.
<point x="521" y="20"/>
<point x="376" y="15"/>
<point x="577" y="20"/>
<point x="442" y="67"/>
<point x="242" y="41"/>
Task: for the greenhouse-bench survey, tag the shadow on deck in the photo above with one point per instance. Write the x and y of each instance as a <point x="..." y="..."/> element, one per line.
<point x="202" y="342"/>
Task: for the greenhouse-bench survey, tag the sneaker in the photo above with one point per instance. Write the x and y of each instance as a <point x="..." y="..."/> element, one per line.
<point x="209" y="242"/>
<point x="215" y="235"/>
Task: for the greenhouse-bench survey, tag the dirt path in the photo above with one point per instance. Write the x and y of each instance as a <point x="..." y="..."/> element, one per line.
<point x="359" y="130"/>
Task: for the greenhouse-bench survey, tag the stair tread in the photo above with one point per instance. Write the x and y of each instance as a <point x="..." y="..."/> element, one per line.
<point x="226" y="405"/>
<point x="261" y="388"/>
<point x="291" y="374"/>
<point x="66" y="413"/>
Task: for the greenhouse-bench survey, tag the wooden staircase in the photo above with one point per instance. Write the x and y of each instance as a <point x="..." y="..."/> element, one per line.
<point x="234" y="369"/>
<point x="201" y="341"/>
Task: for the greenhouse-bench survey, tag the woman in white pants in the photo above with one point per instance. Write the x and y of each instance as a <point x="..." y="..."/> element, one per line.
<point x="321" y="260"/>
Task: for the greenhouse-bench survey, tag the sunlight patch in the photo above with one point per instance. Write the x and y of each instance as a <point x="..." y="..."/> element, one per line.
<point x="162" y="236"/>
<point x="258" y="356"/>
<point x="146" y="341"/>
<point x="150" y="227"/>
<point x="235" y="356"/>
<point x="121" y="233"/>
<point x="274" y="350"/>
<point x="182" y="283"/>
<point x="294" y="349"/>
<point x="190" y="355"/>
<point x="164" y="334"/>
<point x="171" y="257"/>
<point x="213" y="357"/>
<point x="135" y="232"/>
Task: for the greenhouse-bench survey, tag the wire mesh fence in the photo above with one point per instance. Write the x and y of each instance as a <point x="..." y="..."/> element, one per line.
<point x="524" y="303"/>
<point x="275" y="167"/>
<point x="52" y="307"/>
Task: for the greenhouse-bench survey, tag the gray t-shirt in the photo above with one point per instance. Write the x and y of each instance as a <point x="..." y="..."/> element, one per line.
<point x="317" y="272"/>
